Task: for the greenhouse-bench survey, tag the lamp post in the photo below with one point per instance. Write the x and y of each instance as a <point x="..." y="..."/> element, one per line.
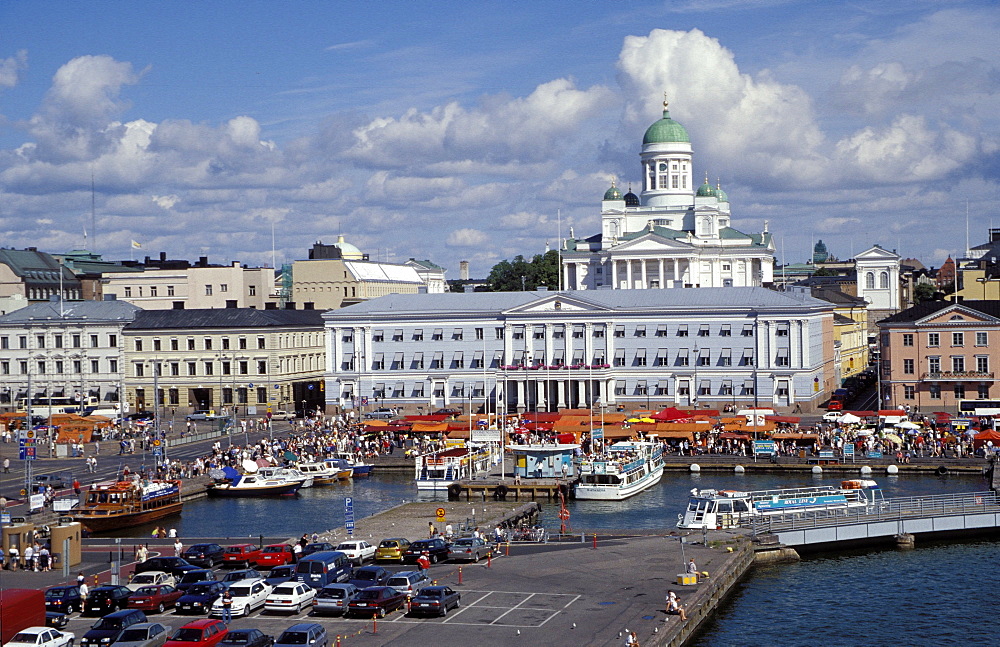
<point x="984" y="280"/>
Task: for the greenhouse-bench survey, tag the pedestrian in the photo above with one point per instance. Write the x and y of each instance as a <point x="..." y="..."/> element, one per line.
<point x="6" y="465"/>
<point x="631" y="640"/>
<point x="29" y="556"/>
<point x="424" y="561"/>
<point x="44" y="559"/>
<point x="692" y="569"/>
<point x="15" y="557"/>
<point x="141" y="553"/>
<point x="76" y="487"/>
<point x="84" y="590"/>
<point x="178" y="548"/>
<point x="431" y="530"/>
<point x="80" y="579"/>
<point x="227" y="607"/>
<point x="172" y="533"/>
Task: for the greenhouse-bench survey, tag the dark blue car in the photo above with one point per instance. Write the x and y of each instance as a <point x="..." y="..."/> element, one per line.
<point x="369" y="576"/>
<point x="200" y="597"/>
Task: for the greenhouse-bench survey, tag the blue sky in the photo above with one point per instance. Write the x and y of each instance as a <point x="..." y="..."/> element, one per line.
<point x="455" y="130"/>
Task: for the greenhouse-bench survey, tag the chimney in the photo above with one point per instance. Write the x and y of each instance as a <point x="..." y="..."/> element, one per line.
<point x="163" y="257"/>
<point x="463" y="270"/>
<point x="203" y="261"/>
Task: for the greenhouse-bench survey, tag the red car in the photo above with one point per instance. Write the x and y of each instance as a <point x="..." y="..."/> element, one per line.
<point x="275" y="555"/>
<point x="200" y="633"/>
<point x="241" y="555"/>
<point x="155" y="597"/>
<point x="835" y="405"/>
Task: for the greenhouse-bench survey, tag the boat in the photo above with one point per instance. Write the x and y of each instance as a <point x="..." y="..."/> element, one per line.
<point x="227" y="482"/>
<point x="624" y="469"/>
<point x="360" y="469"/>
<point x="321" y="473"/>
<point x="438" y="470"/>
<point x="341" y="467"/>
<point x="730" y="508"/>
<point x="124" y="504"/>
<point x="288" y="473"/>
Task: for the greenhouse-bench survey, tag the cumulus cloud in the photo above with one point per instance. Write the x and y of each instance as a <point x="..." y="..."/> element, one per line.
<point x="11" y="68"/>
<point x="836" y="224"/>
<point x="467" y="238"/>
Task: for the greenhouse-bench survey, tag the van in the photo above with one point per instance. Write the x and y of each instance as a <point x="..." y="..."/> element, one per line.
<point x="326" y="567"/>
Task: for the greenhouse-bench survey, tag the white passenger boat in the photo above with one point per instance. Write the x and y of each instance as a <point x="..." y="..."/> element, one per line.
<point x="251" y="485"/>
<point x="359" y="468"/>
<point x="623" y="470"/>
<point x="288" y="473"/>
<point x="729" y="508"/>
<point x="438" y="470"/>
<point x="321" y="473"/>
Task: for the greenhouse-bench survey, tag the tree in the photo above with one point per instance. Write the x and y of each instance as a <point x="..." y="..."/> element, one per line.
<point x="520" y="274"/>
<point x="923" y="292"/>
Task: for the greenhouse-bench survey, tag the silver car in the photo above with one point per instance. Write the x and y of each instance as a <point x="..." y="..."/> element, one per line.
<point x="144" y="634"/>
<point x="333" y="598"/>
<point x="469" y="548"/>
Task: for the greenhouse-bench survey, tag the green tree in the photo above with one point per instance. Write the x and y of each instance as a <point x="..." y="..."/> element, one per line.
<point x="518" y="274"/>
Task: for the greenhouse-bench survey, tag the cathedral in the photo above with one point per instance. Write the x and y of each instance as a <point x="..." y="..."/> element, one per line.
<point x="671" y="235"/>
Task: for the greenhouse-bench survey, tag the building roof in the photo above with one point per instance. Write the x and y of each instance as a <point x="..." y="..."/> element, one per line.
<point x="367" y="271"/>
<point x="224" y="318"/>
<point x="666" y="130"/>
<point x="927" y="308"/>
<point x="428" y="265"/>
<point x="716" y="299"/>
<point x="35" y="267"/>
<point x="92" y="311"/>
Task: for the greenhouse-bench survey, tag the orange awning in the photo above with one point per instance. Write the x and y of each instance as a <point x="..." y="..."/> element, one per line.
<point x="430" y="426"/>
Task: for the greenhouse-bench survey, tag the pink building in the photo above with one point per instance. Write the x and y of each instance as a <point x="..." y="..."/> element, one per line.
<point x="938" y="353"/>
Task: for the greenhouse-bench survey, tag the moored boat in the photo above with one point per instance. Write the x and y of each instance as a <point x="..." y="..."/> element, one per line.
<point x="287" y="473"/>
<point x="124" y="504"/>
<point x="623" y="470"/>
<point x="229" y="483"/>
<point x="729" y="508"/>
<point x="359" y="468"/>
<point x="438" y="470"/>
<point x="340" y="466"/>
<point x="321" y="473"/>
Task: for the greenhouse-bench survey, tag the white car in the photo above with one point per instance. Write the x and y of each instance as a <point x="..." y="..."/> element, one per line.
<point x="41" y="637"/>
<point x="832" y="416"/>
<point x="282" y="415"/>
<point x="248" y="595"/>
<point x="357" y="551"/>
<point x="290" y="596"/>
<point x="150" y="578"/>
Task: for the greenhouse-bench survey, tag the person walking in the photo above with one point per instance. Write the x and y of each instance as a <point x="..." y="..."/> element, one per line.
<point x="141" y="553"/>
<point x="178" y="547"/>
<point x="227" y="607"/>
<point x="6" y="465"/>
<point x="84" y="590"/>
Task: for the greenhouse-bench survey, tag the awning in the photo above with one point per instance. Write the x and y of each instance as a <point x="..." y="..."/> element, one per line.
<point x="477" y="356"/>
<point x="785" y="419"/>
<point x="457" y="333"/>
<point x="682" y="330"/>
<point x="438" y="355"/>
<point x="438" y="332"/>
<point x="397" y="359"/>
<point x="398" y="391"/>
<point x="620" y="354"/>
<point x="705" y="386"/>
<point x="703" y="330"/>
<point x="379" y="357"/>
<point x="619" y="328"/>
<point x="748" y="330"/>
<point x="640" y="353"/>
<point x="429" y="427"/>
<point x="725" y="330"/>
<point x="640" y="331"/>
<point x="398" y="334"/>
<point x="661" y="330"/>
<point x="726" y="352"/>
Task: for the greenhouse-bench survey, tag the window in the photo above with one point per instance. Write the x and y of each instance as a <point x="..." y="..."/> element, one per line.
<point x="782" y="330"/>
<point x="397" y="335"/>
<point x="458" y="360"/>
<point x="418" y="361"/>
<point x="209" y="368"/>
<point x="559" y="332"/>
<point x="883" y="280"/>
<point x="599" y="331"/>
<point x="378" y="364"/>
<point x="959" y="391"/>
<point x="704" y="357"/>
<point x="958" y="339"/>
<point x="95" y="366"/>
<point x="725" y="331"/>
<point x="908" y="366"/>
<point x="128" y="292"/>
<point x="682" y="357"/>
<point x="982" y="363"/>
<point x="208" y="290"/>
<point x="640" y="331"/>
<point x="682" y="330"/>
<point x="577" y="331"/>
<point x="748" y="388"/>
<point x="933" y="339"/>
<point x="418" y="334"/>
<point x="22" y="341"/>
<point x="684" y="388"/>
<point x="223" y="287"/>
<point x="4" y="343"/>
<point x="138" y="345"/>
<point x="983" y="391"/>
<point x="907" y="339"/>
<point x="152" y="291"/>
<point x="175" y="368"/>
<point x="225" y="343"/>
<point x="156" y="344"/>
<point x="726" y="388"/>
<point x="747" y="359"/>
<point x="23" y="365"/>
<point x="747" y="330"/>
<point x="661" y="330"/>
<point x="782" y="357"/>
<point x="934" y="364"/>
<point x="640" y="357"/>
<point x="170" y="291"/>
<point x="498" y="332"/>
<point x="438" y="334"/>
<point x="190" y="344"/>
<point x="378" y="335"/>
<point x="620" y="387"/>
<point x="620" y="357"/>
<point x="438" y="360"/>
<point x="958" y="364"/>
<point x="870" y="281"/>
<point x="140" y="370"/>
<point x="261" y="343"/>
<point x="261" y="367"/>
<point x="908" y="392"/>
<point x="458" y="334"/>
<point x="477" y="359"/>
<point x="703" y="330"/>
<point x="619" y="331"/>
<point x="243" y="343"/>
<point x="982" y="339"/>
<point x="59" y="341"/>
<point x="192" y="368"/>
<point x="726" y="357"/>
<point x="208" y="343"/>
<point x="244" y="367"/>
<point x="40" y="339"/>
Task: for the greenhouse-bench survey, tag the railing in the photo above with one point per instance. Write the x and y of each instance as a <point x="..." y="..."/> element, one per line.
<point x="895" y="509"/>
<point x="957" y="375"/>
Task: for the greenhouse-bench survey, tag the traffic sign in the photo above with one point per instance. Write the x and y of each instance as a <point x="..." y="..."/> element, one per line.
<point x="349" y="514"/>
<point x="250" y="386"/>
<point x="310" y="387"/>
<point x="156" y="443"/>
<point x="440" y="514"/>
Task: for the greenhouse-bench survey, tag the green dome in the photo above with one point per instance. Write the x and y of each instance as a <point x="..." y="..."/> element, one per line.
<point x="706" y="190"/>
<point x="613" y="193"/>
<point x="721" y="195"/>
<point x="665" y="130"/>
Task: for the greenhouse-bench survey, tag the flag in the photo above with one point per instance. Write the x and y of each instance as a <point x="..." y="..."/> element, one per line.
<point x="136" y="245"/>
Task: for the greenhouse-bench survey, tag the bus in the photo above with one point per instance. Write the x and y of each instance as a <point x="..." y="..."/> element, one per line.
<point x="47" y="406"/>
<point x="979" y="407"/>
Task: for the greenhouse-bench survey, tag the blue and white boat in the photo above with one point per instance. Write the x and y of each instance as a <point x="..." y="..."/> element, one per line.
<point x="729" y="508"/>
<point x="625" y="469"/>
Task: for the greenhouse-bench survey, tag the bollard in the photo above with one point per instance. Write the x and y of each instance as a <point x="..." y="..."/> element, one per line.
<point x="409" y="605"/>
<point x="459" y="574"/>
<point x="489" y="560"/>
<point x="95" y="579"/>
<point x="595" y="541"/>
<point x="375" y="624"/>
<point x="508" y="549"/>
<point x="338" y="641"/>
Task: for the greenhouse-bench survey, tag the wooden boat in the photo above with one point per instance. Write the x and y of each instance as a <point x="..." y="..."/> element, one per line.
<point x="124" y="504"/>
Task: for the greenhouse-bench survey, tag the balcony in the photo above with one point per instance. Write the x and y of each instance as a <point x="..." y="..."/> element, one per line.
<point x="958" y="376"/>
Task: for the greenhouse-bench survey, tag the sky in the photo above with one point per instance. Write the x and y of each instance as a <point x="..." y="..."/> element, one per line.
<point x="248" y="130"/>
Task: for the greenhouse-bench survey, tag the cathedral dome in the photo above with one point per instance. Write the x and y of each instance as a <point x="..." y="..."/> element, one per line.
<point x="347" y="250"/>
<point x="665" y="130"/>
<point x="613" y="193"/>
<point x="706" y="190"/>
<point x="720" y="194"/>
<point x="631" y="199"/>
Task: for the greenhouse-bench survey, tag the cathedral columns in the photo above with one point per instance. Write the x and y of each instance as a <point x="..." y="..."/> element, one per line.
<point x="628" y="272"/>
<point x="662" y="275"/>
<point x="614" y="274"/>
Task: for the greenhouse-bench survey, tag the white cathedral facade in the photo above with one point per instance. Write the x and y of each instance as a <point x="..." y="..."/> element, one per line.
<point x="672" y="234"/>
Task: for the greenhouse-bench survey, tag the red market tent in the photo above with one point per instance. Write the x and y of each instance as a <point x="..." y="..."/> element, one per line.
<point x="671" y="414"/>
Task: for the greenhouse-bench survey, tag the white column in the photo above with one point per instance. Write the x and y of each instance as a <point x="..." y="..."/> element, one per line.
<point x="628" y="272"/>
<point x="642" y="273"/>
<point x="614" y="274"/>
<point x="804" y="342"/>
<point x="677" y="273"/>
<point x="662" y="275"/>
<point x="521" y="403"/>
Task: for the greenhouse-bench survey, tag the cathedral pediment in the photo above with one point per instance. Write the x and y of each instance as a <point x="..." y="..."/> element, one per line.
<point x="651" y="243"/>
<point x="558" y="301"/>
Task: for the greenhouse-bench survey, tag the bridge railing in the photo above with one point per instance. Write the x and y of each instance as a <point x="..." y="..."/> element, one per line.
<point x="895" y="509"/>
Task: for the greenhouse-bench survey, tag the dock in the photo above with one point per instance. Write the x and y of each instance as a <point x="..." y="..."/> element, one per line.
<point x="498" y="489"/>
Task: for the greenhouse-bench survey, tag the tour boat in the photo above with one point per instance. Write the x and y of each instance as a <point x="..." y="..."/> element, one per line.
<point x="729" y="508"/>
<point x="248" y="485"/>
<point x="623" y="470"/>
<point x="438" y="470"/>
<point x="124" y="504"/>
<point x="321" y="473"/>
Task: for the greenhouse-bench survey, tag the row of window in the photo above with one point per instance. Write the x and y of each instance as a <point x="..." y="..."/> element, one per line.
<point x="957" y="339"/>
<point x="173" y="396"/>
<point x="460" y="390"/>
<point x="207" y="344"/>
<point x="559" y="332"/>
<point x="58" y="367"/>
<point x="57" y="340"/>
<point x="934" y="391"/>
<point x="225" y="368"/>
<point x="958" y="364"/>
<point x="154" y="290"/>
<point x="43" y="294"/>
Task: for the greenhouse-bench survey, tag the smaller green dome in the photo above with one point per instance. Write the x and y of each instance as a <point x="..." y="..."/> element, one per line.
<point x="613" y="193"/>
<point x="720" y="194"/>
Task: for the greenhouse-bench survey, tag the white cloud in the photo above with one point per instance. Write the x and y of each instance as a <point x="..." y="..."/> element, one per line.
<point x="165" y="201"/>
<point x="467" y="238"/>
<point x="11" y="68"/>
<point x="836" y="224"/>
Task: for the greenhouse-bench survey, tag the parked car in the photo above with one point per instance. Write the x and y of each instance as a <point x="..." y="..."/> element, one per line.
<point x="232" y="577"/>
<point x="437" y="550"/>
<point x="144" y="634"/>
<point x="200" y="633"/>
<point x="316" y="547"/>
<point x="280" y="575"/>
<point x="203" y="414"/>
<point x="41" y="637"/>
<point x="103" y="600"/>
<point x="241" y="555"/>
<point x="311" y="634"/>
<point x="282" y="415"/>
<point x="333" y="598"/>
<point x="835" y="405"/>
<point x="435" y="600"/>
<point x="369" y="576"/>
<point x="56" y="620"/>
<point x="109" y="628"/>
<point x="155" y="597"/>
<point x="409" y="582"/>
<point x="150" y="578"/>
<point x="391" y="549"/>
<point x="176" y="566"/>
<point x="56" y="481"/>
<point x="290" y="596"/>
<point x="380" y="414"/>
<point x="205" y="555"/>
<point x="376" y="601"/>
<point x="246" y="638"/>
<point x="247" y="596"/>
<point x="200" y="597"/>
<point x="196" y="576"/>
<point x="469" y="549"/>
<point x="357" y="550"/>
<point x="64" y="599"/>
<point x="275" y="555"/>
<point x="446" y="412"/>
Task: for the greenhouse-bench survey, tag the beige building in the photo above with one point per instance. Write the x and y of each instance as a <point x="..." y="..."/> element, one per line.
<point x="194" y="287"/>
<point x="223" y="357"/>
<point x="334" y="283"/>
